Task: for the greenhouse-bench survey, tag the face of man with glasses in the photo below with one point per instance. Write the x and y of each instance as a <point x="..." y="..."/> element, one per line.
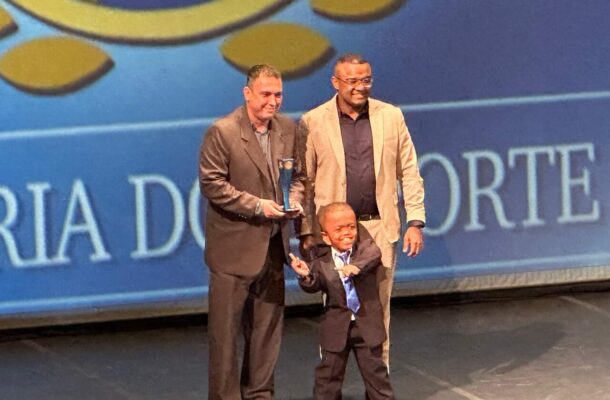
<point x="353" y="83"/>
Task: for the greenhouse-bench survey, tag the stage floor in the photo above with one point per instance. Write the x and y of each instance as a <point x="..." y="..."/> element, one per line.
<point x="551" y="347"/>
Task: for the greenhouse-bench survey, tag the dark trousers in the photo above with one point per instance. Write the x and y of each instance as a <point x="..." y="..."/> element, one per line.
<point x="254" y="306"/>
<point x="331" y="370"/>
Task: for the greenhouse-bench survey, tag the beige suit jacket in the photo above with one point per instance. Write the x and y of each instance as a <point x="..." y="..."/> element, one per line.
<point x="233" y="176"/>
<point x="395" y="162"/>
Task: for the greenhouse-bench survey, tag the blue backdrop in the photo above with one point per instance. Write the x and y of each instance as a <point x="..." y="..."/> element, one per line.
<point x="507" y="103"/>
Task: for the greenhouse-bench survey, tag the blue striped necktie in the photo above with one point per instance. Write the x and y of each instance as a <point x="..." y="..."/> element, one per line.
<point x="348" y="284"/>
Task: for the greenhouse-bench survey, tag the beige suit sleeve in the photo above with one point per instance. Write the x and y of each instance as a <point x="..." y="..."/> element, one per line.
<point x="307" y="157"/>
<point x="297" y="186"/>
<point x="408" y="174"/>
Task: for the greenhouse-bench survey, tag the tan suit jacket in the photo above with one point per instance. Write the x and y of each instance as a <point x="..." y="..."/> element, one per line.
<point x="395" y="162"/>
<point x="233" y="175"/>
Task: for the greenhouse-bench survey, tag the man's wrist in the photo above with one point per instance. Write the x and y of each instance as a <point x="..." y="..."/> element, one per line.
<point x="416" y="224"/>
<point x="304" y="277"/>
<point x="258" y="211"/>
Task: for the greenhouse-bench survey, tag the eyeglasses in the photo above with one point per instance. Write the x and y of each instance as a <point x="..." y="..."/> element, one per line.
<point x="366" y="81"/>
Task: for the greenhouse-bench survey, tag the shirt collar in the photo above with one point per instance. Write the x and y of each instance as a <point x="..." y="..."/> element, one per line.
<point x="259" y="132"/>
<point x="336" y="253"/>
<point x="364" y="112"/>
<point x="269" y="124"/>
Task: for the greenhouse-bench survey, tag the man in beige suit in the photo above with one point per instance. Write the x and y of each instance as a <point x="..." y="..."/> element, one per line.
<point x="357" y="150"/>
<point x="247" y="237"/>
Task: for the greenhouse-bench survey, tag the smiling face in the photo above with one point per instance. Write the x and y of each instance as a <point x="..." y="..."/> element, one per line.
<point x="339" y="228"/>
<point x="352" y="96"/>
<point x="263" y="98"/>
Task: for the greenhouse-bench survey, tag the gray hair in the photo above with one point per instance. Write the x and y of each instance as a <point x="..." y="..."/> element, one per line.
<point x="262" y="70"/>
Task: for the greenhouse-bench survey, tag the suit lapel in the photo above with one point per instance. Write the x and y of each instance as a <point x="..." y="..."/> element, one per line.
<point x="276" y="136"/>
<point x="334" y="134"/>
<point x="377" y="130"/>
<point x="252" y="146"/>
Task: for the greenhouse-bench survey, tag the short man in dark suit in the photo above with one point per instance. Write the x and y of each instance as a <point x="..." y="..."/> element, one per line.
<point x="247" y="236"/>
<point x="353" y="318"/>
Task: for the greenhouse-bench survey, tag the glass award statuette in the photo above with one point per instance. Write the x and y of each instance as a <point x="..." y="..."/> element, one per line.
<point x="286" y="167"/>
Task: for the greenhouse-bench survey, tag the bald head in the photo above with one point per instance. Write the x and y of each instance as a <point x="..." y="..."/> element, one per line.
<point x="333" y="209"/>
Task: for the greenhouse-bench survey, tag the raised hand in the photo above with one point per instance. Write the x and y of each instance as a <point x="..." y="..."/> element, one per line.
<point x="299" y="266"/>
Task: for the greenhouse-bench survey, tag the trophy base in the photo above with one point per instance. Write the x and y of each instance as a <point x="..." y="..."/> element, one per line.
<point x="290" y="209"/>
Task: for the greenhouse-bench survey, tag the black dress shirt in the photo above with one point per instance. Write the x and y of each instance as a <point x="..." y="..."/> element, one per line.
<point x="359" y="162"/>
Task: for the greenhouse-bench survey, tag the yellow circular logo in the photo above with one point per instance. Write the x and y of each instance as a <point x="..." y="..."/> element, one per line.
<point x="160" y="21"/>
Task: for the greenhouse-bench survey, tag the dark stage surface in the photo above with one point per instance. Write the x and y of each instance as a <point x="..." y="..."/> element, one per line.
<point x="552" y="347"/>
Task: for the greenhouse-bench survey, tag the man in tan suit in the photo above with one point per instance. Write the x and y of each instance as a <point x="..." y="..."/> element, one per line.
<point x="247" y="237"/>
<point x="357" y="150"/>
